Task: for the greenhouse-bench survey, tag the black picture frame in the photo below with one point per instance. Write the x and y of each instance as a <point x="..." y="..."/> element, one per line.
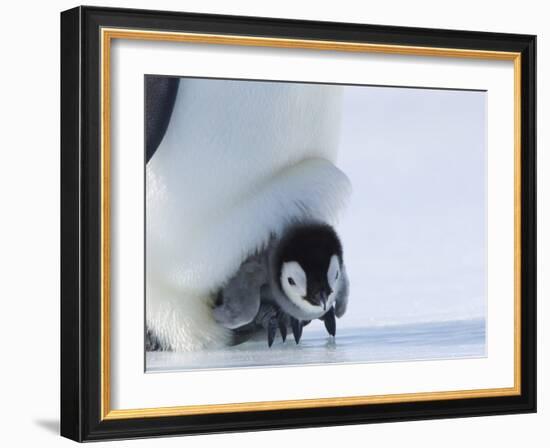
<point x="81" y="415"/>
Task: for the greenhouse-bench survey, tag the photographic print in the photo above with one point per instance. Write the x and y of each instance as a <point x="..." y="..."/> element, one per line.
<point x="273" y="224"/>
<point x="292" y="223"/>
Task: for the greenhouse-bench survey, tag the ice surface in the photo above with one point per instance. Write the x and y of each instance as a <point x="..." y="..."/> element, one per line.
<point x="423" y="341"/>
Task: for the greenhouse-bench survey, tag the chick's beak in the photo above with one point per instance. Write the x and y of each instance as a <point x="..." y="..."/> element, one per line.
<point x="321" y="298"/>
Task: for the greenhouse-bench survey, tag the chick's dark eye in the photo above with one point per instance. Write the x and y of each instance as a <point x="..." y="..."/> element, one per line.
<point x="291" y="281"/>
<point x="337" y="273"/>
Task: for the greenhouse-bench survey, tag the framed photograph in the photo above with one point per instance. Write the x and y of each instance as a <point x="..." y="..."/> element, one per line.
<point x="271" y="224"/>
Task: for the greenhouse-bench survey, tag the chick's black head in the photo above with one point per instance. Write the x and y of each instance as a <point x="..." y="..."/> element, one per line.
<point x="310" y="250"/>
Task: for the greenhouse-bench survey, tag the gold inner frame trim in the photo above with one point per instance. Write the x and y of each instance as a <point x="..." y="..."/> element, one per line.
<point x="107" y="35"/>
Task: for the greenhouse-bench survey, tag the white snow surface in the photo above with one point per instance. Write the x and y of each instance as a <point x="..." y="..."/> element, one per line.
<point x="421" y="341"/>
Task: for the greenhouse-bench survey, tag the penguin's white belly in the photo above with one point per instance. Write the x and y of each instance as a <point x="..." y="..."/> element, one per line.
<point x="238" y="162"/>
<point x="182" y="320"/>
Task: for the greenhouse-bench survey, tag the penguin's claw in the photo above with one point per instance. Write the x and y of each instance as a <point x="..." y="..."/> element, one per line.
<point x="271" y="330"/>
<point x="330" y="322"/>
<point x="296" y="329"/>
<point x="282" y="320"/>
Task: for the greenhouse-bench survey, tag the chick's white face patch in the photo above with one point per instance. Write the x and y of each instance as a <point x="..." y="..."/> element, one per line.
<point x="333" y="274"/>
<point x="294" y="281"/>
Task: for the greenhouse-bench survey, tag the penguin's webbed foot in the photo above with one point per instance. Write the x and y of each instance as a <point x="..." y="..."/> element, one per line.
<point x="297" y="328"/>
<point x="271" y="330"/>
<point x="282" y="321"/>
<point x="278" y="319"/>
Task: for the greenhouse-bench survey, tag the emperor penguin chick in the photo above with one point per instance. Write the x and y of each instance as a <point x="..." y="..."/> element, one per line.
<point x="299" y="277"/>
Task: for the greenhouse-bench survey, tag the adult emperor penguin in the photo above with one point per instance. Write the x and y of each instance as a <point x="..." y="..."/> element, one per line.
<point x="239" y="163"/>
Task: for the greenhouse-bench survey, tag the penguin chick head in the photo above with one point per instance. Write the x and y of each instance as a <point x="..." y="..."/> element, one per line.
<point x="309" y="265"/>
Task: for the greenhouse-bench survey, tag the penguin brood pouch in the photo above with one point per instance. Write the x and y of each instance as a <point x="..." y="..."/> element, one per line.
<point x="242" y="199"/>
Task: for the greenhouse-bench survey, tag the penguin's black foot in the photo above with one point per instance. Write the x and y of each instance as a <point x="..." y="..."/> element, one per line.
<point x="276" y="319"/>
<point x="271" y="330"/>
<point x="329" y="318"/>
<point x="297" y="328"/>
<point x="283" y="322"/>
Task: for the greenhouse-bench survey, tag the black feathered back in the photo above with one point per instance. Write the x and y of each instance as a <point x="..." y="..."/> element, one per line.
<point x="160" y="96"/>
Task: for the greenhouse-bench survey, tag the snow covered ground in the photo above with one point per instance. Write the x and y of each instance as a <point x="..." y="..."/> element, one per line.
<point x="435" y="340"/>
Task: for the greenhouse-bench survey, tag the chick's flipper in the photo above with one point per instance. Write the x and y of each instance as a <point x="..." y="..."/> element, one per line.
<point x="238" y="302"/>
